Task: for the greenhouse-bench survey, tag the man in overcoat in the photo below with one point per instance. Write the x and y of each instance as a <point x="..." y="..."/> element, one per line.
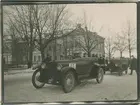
<point x="133" y="64"/>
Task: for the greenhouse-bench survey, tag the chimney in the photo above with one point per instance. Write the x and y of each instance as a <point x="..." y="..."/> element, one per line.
<point x="79" y="25"/>
<point x="86" y="27"/>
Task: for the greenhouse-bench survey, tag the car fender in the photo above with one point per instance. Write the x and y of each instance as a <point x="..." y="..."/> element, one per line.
<point x="96" y="65"/>
<point x="95" y="69"/>
<point x="35" y="67"/>
<point x="66" y="69"/>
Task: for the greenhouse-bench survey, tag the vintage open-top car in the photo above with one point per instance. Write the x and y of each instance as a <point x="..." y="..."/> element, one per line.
<point x="118" y="65"/>
<point x="67" y="73"/>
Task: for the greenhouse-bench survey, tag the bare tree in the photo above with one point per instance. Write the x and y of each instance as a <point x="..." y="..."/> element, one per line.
<point x="109" y="47"/>
<point x="41" y="15"/>
<point x="120" y="44"/>
<point x="88" y="40"/>
<point x="50" y="20"/>
<point x="130" y="33"/>
<point x="23" y="21"/>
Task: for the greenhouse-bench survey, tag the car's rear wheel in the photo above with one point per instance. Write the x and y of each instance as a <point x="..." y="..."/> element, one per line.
<point x="36" y="80"/>
<point x="125" y="71"/>
<point x="100" y="75"/>
<point x="120" y="73"/>
<point x="68" y="82"/>
<point x="111" y="72"/>
<point x="104" y="71"/>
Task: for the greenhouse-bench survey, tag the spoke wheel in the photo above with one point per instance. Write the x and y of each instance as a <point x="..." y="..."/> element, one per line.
<point x="36" y="80"/>
<point x="120" y="73"/>
<point x="68" y="82"/>
<point x="100" y="75"/>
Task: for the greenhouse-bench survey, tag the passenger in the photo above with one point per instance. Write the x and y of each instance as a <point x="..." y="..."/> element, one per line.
<point x="106" y="61"/>
<point x="103" y="60"/>
<point x="100" y="60"/>
<point x="47" y="59"/>
<point x="112" y="64"/>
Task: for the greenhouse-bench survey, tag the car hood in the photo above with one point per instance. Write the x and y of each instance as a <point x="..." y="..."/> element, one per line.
<point x="77" y="62"/>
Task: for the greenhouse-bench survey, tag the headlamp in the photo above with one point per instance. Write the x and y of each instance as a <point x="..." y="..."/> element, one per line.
<point x="43" y="66"/>
<point x="96" y="64"/>
<point x="59" y="66"/>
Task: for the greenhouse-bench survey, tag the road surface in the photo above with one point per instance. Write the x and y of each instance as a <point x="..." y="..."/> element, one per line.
<point x="19" y="88"/>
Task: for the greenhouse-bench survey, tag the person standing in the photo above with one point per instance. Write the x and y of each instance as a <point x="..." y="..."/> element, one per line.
<point x="106" y="61"/>
<point x="99" y="60"/>
<point x="3" y="61"/>
<point x="133" y="65"/>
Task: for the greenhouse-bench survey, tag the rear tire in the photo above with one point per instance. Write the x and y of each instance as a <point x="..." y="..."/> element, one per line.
<point x="34" y="80"/>
<point x="120" y="73"/>
<point x="110" y="71"/>
<point x="104" y="71"/>
<point x="100" y="75"/>
<point x="68" y="81"/>
<point x="126" y="72"/>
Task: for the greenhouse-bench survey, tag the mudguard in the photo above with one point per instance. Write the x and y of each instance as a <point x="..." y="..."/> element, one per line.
<point x="63" y="72"/>
<point x="97" y="65"/>
<point x="67" y="68"/>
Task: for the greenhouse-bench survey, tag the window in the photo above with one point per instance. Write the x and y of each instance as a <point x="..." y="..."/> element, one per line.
<point x="56" y="57"/>
<point x="96" y="55"/>
<point x="39" y="58"/>
<point x="84" y="55"/>
<point x="93" y="55"/>
<point x="60" y="47"/>
<point x="100" y="46"/>
<point x="35" y="58"/>
<point x="49" y="47"/>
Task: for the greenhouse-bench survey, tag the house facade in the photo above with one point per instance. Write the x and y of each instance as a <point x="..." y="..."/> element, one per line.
<point x="14" y="52"/>
<point x="67" y="46"/>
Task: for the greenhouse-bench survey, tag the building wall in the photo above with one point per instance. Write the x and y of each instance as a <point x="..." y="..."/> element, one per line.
<point x="8" y="58"/>
<point x="68" y="46"/>
<point x="36" y="57"/>
<point x="14" y="53"/>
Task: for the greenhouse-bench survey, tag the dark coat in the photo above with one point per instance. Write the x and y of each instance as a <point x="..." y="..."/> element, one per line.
<point x="3" y="61"/>
<point x="46" y="60"/>
<point x="112" y="64"/>
<point x="133" y="65"/>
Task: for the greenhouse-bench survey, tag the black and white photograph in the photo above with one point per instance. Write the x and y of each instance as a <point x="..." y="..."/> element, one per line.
<point x="70" y="52"/>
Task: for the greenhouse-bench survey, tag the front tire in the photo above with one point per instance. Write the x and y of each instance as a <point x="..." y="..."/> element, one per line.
<point x="68" y="82"/>
<point x="100" y="75"/>
<point x="35" y="79"/>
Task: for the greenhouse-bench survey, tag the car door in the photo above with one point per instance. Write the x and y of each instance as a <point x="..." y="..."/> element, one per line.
<point x="83" y="67"/>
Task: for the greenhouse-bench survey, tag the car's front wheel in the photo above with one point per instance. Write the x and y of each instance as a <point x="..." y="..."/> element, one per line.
<point x="68" y="81"/>
<point x="100" y="75"/>
<point x="35" y="80"/>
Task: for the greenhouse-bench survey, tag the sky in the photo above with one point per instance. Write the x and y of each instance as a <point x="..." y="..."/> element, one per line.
<point x="109" y="16"/>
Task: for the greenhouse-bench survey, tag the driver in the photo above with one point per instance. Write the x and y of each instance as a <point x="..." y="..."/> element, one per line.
<point x="47" y="59"/>
<point x="45" y="72"/>
<point x="112" y="64"/>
